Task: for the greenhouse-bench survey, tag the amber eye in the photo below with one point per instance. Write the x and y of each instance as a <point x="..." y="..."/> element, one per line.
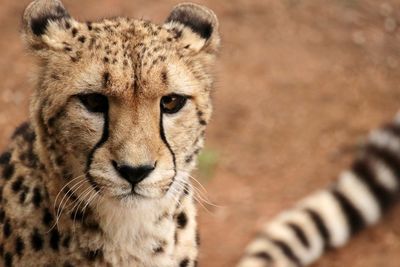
<point x="172" y="103"/>
<point x="97" y="103"/>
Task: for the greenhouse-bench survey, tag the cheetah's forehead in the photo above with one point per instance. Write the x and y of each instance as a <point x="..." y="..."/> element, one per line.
<point x="124" y="55"/>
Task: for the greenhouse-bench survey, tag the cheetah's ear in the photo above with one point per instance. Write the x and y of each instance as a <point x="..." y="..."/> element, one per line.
<point x="197" y="27"/>
<point x="44" y="24"/>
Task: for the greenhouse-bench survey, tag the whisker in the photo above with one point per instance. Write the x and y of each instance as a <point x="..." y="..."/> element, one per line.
<point x="197" y="197"/>
<point x="72" y="190"/>
<point x="55" y="201"/>
<point x="66" y="197"/>
<point x="88" y="191"/>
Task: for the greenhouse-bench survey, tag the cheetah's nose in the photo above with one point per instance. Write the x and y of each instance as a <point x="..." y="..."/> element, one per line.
<point x="133" y="174"/>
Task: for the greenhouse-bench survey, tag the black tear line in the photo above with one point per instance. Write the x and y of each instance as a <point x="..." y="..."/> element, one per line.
<point x="89" y="161"/>
<point x="164" y="139"/>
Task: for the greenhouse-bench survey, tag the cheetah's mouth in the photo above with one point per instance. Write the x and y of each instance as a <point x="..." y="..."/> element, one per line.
<point x="111" y="186"/>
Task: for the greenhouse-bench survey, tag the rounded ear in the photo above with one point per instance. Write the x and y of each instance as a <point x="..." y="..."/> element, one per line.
<point x="198" y="24"/>
<point x="41" y="22"/>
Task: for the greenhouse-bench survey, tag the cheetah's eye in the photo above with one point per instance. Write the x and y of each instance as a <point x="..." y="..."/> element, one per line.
<point x="172" y="103"/>
<point x="94" y="102"/>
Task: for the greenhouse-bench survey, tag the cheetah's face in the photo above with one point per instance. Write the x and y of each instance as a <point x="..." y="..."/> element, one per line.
<point x="122" y="103"/>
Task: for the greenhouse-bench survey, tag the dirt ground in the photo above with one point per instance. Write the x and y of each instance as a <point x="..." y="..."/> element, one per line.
<point x="299" y="84"/>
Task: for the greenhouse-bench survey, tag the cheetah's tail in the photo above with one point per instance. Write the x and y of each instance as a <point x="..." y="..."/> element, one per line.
<point x="328" y="218"/>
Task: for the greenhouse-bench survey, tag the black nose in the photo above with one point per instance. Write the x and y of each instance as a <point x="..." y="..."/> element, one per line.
<point x="133" y="174"/>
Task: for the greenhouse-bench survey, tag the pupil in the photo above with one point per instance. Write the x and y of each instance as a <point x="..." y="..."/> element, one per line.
<point x="168" y="100"/>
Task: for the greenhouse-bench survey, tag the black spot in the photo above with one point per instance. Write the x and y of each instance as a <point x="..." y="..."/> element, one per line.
<point x="7" y="230"/>
<point x="299" y="234"/>
<point x="8" y="171"/>
<point x="54" y="239"/>
<point x="67" y="25"/>
<point x="36" y="240"/>
<point x="2" y="215"/>
<point x="186" y="189"/>
<point x="5" y="158"/>
<point x="82" y="39"/>
<point x="55" y="76"/>
<point x="184" y="263"/>
<point x="189" y="159"/>
<point x="19" y="246"/>
<point x="75" y="59"/>
<point x="74" y="32"/>
<point x="60" y="160"/>
<point x="352" y="214"/>
<point x="1" y="250"/>
<point x="76" y="215"/>
<point x="92" y="226"/>
<point x="70" y="194"/>
<point x="182" y="220"/>
<point x="22" y="197"/>
<point x="8" y="259"/>
<point x="106" y="60"/>
<point x="66" y="241"/>
<point x="25" y="131"/>
<point x="17" y="184"/>
<point x="47" y="217"/>
<point x="202" y="122"/>
<point x="158" y="250"/>
<point x="37" y="197"/>
<point x="39" y="24"/>
<point x="29" y="159"/>
<point x="89" y="25"/>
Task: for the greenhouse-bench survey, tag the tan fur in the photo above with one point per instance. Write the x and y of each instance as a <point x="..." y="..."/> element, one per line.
<point x="92" y="219"/>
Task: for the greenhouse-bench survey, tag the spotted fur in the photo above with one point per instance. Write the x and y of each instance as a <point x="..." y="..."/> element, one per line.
<point x="63" y="200"/>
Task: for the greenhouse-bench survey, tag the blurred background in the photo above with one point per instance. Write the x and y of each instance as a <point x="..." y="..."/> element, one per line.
<point x="300" y="84"/>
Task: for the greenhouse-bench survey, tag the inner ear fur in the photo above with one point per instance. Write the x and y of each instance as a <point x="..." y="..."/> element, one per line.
<point x="200" y="26"/>
<point x="39" y="18"/>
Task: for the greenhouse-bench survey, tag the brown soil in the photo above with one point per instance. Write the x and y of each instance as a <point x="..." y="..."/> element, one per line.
<point x="299" y="83"/>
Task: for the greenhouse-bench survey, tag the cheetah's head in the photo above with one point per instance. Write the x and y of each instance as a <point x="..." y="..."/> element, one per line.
<point x="121" y="103"/>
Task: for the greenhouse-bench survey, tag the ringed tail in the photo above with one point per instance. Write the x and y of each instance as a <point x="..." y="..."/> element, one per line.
<point x="330" y="217"/>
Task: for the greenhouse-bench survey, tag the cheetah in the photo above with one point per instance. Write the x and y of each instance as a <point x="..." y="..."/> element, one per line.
<point x="99" y="176"/>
